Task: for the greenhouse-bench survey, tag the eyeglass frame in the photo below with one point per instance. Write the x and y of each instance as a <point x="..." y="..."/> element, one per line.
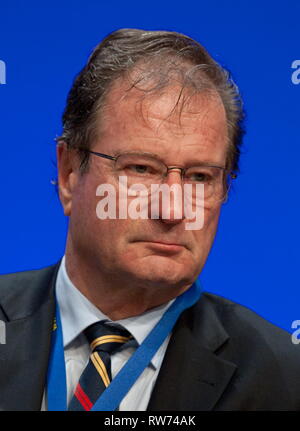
<point x="232" y="174"/>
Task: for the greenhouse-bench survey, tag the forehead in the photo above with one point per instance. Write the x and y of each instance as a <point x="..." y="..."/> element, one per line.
<point x="173" y="113"/>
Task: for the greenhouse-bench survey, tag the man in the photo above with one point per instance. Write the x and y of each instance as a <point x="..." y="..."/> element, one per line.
<point x="149" y="109"/>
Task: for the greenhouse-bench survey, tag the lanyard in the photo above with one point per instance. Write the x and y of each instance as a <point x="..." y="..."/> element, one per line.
<point x="110" y="399"/>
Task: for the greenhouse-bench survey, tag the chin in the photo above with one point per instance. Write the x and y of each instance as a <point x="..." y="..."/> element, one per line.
<point x="165" y="275"/>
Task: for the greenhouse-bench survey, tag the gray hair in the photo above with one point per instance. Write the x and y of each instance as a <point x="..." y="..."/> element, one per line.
<point x="159" y="57"/>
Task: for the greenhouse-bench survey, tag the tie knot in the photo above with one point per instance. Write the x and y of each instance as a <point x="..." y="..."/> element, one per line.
<point x="106" y="338"/>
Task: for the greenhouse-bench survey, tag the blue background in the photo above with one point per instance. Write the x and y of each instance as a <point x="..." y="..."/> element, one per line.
<point x="255" y="258"/>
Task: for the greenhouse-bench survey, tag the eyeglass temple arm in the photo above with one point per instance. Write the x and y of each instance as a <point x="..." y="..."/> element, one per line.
<point x="105" y="156"/>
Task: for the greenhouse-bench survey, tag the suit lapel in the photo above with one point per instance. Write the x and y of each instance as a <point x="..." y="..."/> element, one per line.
<point x="193" y="376"/>
<point x="24" y="357"/>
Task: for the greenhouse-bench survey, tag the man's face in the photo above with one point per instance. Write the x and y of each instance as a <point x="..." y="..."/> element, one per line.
<point x="150" y="252"/>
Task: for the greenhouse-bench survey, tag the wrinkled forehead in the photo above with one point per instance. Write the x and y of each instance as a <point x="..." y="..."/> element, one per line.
<point x="176" y="108"/>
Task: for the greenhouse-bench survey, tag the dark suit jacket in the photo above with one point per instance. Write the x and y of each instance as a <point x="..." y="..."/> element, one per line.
<point x="221" y="356"/>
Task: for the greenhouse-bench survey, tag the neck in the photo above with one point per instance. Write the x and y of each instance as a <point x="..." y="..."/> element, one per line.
<point x="116" y="298"/>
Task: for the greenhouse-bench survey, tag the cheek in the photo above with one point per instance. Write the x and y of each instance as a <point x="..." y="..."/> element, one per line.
<point x="83" y="219"/>
<point x="84" y="206"/>
<point x="204" y="237"/>
<point x="211" y="222"/>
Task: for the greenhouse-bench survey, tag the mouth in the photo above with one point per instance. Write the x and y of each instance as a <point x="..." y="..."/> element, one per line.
<point x="164" y="246"/>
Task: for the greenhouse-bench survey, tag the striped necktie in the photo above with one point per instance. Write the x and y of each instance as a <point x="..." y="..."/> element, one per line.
<point x="104" y="340"/>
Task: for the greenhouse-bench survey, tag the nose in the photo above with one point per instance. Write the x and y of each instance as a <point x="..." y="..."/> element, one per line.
<point x="170" y="198"/>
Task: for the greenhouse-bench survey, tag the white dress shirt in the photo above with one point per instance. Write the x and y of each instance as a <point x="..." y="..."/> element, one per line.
<point x="77" y="313"/>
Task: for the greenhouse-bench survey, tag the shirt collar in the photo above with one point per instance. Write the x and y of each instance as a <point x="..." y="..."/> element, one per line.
<point x="77" y="313"/>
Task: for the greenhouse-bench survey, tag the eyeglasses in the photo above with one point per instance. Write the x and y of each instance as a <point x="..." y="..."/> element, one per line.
<point x="146" y="169"/>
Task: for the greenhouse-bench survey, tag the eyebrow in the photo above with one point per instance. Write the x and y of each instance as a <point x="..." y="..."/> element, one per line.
<point x="156" y="156"/>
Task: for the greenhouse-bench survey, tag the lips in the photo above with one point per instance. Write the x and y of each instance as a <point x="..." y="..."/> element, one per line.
<point x="167" y="243"/>
<point x="164" y="244"/>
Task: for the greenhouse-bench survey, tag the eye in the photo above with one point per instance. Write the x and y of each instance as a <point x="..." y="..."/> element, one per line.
<point x="139" y="169"/>
<point x="139" y="165"/>
<point x="199" y="177"/>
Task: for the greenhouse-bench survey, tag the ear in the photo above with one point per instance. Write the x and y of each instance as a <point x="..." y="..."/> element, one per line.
<point x="67" y="175"/>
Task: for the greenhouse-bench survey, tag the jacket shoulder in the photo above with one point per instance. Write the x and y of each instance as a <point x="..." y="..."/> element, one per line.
<point x="22" y="292"/>
<point x="267" y="360"/>
<point x="239" y="320"/>
<point x="265" y="350"/>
